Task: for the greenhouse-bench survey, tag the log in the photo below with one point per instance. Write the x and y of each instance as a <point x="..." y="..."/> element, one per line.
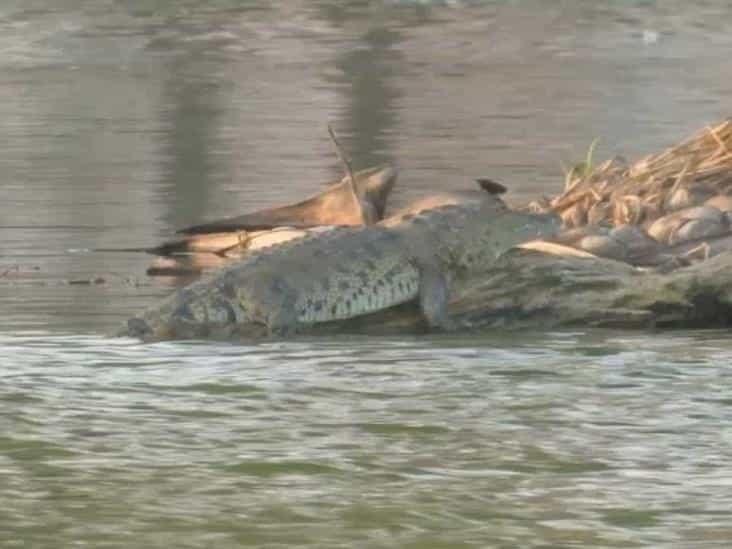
<point x="529" y="289"/>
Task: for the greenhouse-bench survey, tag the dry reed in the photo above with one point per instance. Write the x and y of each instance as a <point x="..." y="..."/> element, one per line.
<point x="614" y="193"/>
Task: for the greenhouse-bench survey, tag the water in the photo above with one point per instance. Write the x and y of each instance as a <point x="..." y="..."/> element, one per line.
<point x="552" y="440"/>
<point x="123" y="120"/>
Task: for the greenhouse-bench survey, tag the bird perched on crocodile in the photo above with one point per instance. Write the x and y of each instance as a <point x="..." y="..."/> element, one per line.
<point x="420" y="253"/>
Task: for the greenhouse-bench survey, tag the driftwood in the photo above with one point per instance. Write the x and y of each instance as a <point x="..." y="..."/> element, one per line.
<point x="538" y="290"/>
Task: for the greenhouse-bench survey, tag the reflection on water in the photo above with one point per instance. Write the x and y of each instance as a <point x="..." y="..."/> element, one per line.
<point x="193" y="101"/>
<point x="124" y="120"/>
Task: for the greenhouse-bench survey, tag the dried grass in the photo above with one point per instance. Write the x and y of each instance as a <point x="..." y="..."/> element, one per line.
<point x="614" y="193"/>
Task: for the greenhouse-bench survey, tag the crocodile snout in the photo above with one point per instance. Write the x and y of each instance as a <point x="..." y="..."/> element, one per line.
<point x="139" y="328"/>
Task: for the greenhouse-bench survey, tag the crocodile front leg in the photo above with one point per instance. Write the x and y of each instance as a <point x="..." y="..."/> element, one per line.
<point x="281" y="321"/>
<point x="274" y="305"/>
<point x="434" y="296"/>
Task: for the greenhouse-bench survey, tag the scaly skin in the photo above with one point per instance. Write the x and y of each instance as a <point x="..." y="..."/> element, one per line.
<point x="350" y="271"/>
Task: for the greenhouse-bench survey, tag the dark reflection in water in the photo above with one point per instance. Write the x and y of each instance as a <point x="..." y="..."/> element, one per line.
<point x="191" y="108"/>
<point x="369" y="75"/>
<point x="125" y="120"/>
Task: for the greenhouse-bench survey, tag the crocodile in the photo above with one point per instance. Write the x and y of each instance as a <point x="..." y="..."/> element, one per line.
<point x="418" y="254"/>
<point x="212" y="244"/>
<point x="337" y="205"/>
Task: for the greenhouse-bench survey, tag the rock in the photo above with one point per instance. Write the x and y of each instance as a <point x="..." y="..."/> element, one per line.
<point x="668" y="229"/>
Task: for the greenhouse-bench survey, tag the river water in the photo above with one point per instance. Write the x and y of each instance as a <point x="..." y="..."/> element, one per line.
<point x="123" y="120"/>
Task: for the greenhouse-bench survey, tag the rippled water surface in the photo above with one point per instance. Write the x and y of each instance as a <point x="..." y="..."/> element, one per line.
<point x="557" y="439"/>
<point x="123" y="120"/>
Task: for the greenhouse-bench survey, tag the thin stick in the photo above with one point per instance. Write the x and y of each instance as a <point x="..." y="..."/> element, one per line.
<point x="349" y="171"/>
<point x="720" y="142"/>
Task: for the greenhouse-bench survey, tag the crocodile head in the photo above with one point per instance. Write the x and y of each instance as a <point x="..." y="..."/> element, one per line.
<point x="375" y="185"/>
<point x="190" y="313"/>
<point x="333" y="206"/>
